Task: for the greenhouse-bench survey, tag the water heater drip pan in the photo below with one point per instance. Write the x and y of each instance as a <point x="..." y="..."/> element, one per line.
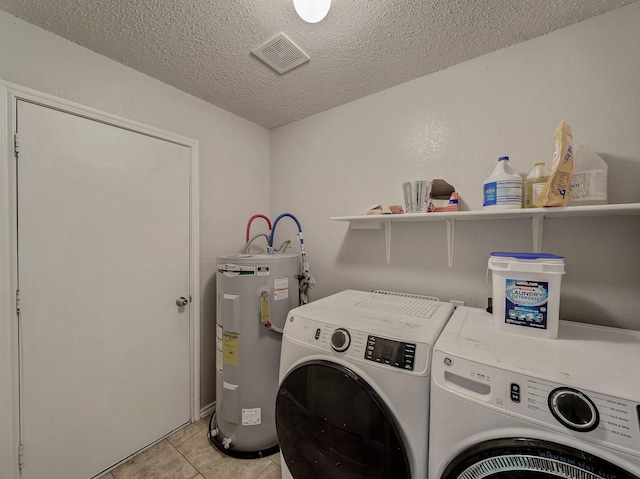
<point x="401" y="303"/>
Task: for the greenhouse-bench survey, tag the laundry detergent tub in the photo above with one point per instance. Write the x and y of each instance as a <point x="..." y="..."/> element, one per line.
<point x="526" y="292"/>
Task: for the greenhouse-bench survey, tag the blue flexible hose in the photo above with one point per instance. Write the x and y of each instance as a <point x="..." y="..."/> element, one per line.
<point x="273" y="230"/>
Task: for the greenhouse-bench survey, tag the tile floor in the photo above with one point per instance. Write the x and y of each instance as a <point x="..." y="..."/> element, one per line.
<point x="189" y="454"/>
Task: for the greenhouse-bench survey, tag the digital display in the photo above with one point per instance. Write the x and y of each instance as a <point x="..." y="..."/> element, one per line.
<point x="388" y="351"/>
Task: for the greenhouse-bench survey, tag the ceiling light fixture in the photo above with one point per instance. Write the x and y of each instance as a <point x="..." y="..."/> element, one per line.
<point x="312" y="11"/>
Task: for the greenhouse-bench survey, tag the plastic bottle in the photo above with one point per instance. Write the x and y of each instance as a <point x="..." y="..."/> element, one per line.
<point x="533" y="184"/>
<point x="503" y="188"/>
<point x="588" y="178"/>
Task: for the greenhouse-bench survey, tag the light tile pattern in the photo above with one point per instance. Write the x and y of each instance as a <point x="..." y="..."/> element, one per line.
<point x="189" y="454"/>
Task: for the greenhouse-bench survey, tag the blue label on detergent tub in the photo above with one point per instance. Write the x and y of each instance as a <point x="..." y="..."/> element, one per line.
<point x="526" y="303"/>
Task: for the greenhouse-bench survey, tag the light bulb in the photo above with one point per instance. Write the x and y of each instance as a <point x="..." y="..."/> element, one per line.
<point x="312" y="11"/>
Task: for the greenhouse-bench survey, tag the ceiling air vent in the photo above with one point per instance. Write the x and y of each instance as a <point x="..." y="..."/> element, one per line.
<point x="281" y="54"/>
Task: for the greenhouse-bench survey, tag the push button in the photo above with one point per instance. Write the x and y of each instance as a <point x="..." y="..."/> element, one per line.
<point x="515" y="392"/>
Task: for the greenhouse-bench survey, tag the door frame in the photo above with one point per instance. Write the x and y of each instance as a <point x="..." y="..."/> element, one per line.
<point x="9" y="328"/>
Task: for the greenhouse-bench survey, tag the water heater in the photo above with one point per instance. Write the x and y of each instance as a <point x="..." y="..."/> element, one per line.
<point x="254" y="295"/>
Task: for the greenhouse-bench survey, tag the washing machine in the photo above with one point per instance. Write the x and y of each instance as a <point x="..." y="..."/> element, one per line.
<point x="504" y="405"/>
<point x="353" y="398"/>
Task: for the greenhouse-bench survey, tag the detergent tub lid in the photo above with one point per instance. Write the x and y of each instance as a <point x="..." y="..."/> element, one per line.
<point x="531" y="262"/>
<point x="526" y="256"/>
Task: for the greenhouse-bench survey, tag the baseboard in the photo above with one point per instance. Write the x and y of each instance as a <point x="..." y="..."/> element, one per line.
<point x="205" y="411"/>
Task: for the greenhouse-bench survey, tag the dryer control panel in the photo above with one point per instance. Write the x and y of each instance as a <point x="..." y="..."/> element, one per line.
<point x="364" y="347"/>
<point x="388" y="351"/>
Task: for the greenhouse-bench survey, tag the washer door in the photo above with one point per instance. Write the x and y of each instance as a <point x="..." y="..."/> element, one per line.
<point x="331" y="424"/>
<point x="519" y="458"/>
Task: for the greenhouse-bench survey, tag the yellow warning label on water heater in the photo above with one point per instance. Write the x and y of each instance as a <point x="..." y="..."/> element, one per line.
<point x="230" y="348"/>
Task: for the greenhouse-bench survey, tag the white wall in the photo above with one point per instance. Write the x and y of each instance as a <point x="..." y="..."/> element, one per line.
<point x="230" y="147"/>
<point x="454" y="124"/>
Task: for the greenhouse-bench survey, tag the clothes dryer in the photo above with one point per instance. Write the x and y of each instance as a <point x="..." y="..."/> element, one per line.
<point x="353" y="400"/>
<point x="507" y="406"/>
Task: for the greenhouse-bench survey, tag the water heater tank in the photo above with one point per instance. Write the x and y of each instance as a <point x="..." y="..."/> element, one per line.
<point x="252" y="291"/>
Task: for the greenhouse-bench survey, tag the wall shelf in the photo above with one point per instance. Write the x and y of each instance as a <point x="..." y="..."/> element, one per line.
<point x="537" y="216"/>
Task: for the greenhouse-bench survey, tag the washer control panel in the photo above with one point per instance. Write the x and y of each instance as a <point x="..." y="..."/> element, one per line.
<point x="388" y="351"/>
<point x="593" y="416"/>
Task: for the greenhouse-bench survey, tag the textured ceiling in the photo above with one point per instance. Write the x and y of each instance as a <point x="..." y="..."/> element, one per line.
<point x="203" y="47"/>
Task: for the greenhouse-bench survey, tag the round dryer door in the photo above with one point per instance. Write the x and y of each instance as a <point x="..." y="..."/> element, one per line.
<point x="331" y="424"/>
<point x="520" y="458"/>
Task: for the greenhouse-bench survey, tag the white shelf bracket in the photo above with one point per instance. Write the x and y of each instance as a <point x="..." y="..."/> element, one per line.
<point x="451" y="224"/>
<point x="387" y="239"/>
<point x="537" y="224"/>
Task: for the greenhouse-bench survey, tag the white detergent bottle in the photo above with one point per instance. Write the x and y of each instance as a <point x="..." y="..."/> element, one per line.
<point x="503" y="189"/>
<point x="534" y="183"/>
<point x="588" y="178"/>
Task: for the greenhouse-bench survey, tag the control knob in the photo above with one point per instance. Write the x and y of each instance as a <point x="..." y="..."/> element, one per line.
<point x="340" y="340"/>
<point x="573" y="409"/>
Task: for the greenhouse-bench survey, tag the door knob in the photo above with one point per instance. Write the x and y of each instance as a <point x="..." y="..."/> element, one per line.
<point x="182" y="301"/>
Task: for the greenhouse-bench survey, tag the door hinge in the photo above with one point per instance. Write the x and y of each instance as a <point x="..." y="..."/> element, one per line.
<point x="18" y="301"/>
<point x="16" y="145"/>
<point x="20" y="455"/>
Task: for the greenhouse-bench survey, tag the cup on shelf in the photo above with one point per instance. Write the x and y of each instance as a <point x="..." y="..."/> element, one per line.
<point x="416" y="195"/>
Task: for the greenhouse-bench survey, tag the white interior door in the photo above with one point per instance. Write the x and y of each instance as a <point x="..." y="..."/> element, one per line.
<point x="103" y="254"/>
